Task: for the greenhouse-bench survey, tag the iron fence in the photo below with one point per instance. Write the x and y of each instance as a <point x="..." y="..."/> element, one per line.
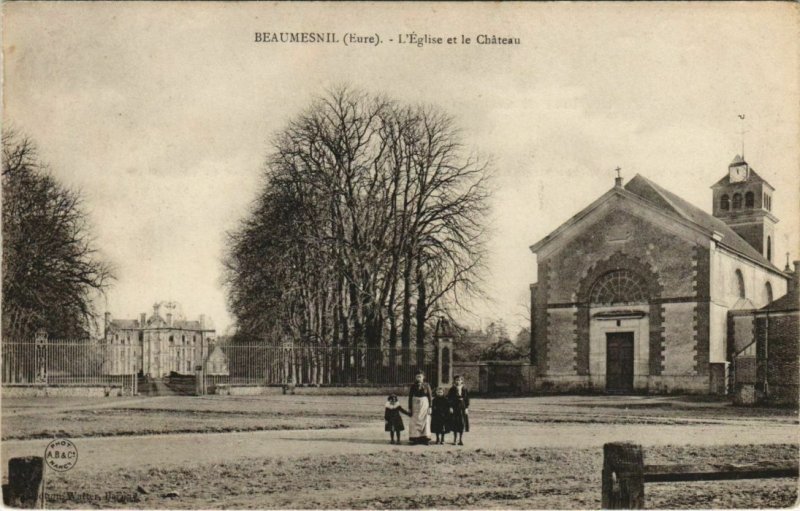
<point x="318" y="366"/>
<point x="68" y="363"/>
<point x="96" y="363"/>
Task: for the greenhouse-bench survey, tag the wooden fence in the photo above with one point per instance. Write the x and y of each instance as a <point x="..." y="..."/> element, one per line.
<point x="624" y="474"/>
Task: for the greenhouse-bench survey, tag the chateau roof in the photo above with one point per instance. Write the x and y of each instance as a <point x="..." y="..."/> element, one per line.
<point x="187" y="325"/>
<point x="155" y="322"/>
<point x="668" y="201"/>
<point x="125" y="324"/>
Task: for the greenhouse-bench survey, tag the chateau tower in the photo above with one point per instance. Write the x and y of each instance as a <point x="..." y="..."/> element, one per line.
<point x="743" y="200"/>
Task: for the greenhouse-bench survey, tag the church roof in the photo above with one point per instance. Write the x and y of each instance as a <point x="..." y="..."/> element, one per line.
<point x="752" y="175"/>
<point x="787" y="302"/>
<point x="668" y="201"/>
<point x="649" y="193"/>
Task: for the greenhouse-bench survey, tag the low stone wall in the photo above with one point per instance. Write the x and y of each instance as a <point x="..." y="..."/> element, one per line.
<point x="564" y="385"/>
<point x="32" y="391"/>
<point x="679" y="384"/>
<point x="319" y="391"/>
<point x="496" y="377"/>
<point x="745" y="394"/>
<point x="471" y="372"/>
<point x="663" y="384"/>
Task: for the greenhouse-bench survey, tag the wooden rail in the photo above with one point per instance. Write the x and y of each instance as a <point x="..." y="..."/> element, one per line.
<point x="624" y="474"/>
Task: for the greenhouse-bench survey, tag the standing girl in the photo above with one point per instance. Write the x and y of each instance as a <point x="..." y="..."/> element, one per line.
<point x="459" y="402"/>
<point x="440" y="417"/>
<point x="419" y="405"/>
<point x="391" y="414"/>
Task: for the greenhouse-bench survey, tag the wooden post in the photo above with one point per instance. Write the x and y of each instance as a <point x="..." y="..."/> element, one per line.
<point x="24" y="488"/>
<point x="199" y="380"/>
<point x="623" y="476"/>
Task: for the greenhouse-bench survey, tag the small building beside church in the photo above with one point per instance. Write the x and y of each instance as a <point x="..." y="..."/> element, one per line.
<point x="634" y="291"/>
<point x="158" y="345"/>
<point x="766" y="349"/>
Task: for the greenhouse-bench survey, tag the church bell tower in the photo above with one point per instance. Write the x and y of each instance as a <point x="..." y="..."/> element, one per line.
<point x="743" y="200"/>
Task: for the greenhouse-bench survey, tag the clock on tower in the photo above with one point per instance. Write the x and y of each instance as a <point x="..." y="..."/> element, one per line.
<point x="743" y="200"/>
<point x="738" y="173"/>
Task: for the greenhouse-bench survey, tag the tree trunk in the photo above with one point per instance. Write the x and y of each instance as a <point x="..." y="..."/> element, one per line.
<point x="405" y="327"/>
<point x="421" y="313"/>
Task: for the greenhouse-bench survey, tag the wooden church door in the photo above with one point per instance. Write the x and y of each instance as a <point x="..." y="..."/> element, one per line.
<point x="619" y="362"/>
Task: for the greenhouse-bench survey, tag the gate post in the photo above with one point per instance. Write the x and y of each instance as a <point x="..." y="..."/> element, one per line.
<point x="623" y="476"/>
<point x="41" y="357"/>
<point x="443" y="338"/>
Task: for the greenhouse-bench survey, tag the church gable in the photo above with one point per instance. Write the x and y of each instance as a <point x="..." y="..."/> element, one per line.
<point x="618" y="199"/>
<point x="620" y="234"/>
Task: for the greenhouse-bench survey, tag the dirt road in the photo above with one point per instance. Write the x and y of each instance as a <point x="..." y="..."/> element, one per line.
<point x="101" y="454"/>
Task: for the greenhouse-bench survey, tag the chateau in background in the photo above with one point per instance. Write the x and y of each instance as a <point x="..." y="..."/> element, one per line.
<point x="157" y="346"/>
<point x="635" y="292"/>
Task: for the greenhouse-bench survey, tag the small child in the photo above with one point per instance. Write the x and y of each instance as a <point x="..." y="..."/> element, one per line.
<point x="391" y="414"/>
<point x="440" y="417"/>
<point x="459" y="402"/>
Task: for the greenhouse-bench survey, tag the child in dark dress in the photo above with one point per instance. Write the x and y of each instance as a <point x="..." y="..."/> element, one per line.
<point x="458" y="396"/>
<point x="391" y="414"/>
<point x="440" y="417"/>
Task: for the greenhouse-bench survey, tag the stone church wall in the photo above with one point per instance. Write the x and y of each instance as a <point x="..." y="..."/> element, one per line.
<point x="561" y="344"/>
<point x="680" y="340"/>
<point x="680" y="268"/>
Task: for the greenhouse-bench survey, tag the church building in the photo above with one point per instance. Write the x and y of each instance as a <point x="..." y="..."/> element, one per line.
<point x="634" y="291"/>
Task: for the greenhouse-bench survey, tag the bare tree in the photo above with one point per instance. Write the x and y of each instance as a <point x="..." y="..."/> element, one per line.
<point x="51" y="268"/>
<point x="371" y="214"/>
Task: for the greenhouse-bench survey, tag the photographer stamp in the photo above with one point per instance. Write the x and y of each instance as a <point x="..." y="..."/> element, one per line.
<point x="61" y="455"/>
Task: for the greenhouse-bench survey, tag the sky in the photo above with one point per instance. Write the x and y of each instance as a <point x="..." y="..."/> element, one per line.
<point x="163" y="113"/>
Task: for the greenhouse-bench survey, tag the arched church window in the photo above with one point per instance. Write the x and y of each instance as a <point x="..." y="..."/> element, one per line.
<point x="749" y="200"/>
<point x="619" y="286"/>
<point x="769" y="248"/>
<point x="737" y="201"/>
<point x="740" y="283"/>
<point x="768" y="292"/>
<point x="725" y="203"/>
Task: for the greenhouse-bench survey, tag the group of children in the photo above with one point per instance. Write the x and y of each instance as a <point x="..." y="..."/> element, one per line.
<point x="428" y="414"/>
